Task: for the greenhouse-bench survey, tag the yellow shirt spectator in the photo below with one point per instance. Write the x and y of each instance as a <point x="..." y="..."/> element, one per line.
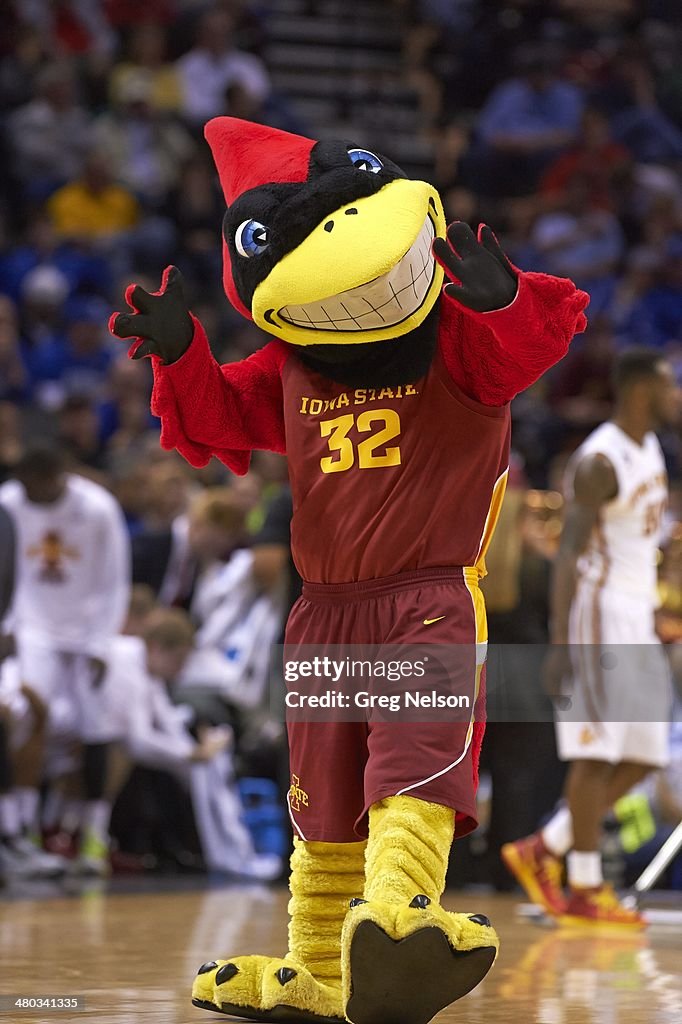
<point x="162" y="86"/>
<point x="93" y="207"/>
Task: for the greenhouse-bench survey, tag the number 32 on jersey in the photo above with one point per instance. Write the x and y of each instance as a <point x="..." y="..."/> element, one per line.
<point x="382" y="425"/>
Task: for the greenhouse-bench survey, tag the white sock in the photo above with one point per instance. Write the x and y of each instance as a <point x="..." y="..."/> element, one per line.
<point x="557" y="835"/>
<point x="10" y="821"/>
<point x="72" y="815"/>
<point x="584" y="870"/>
<point x="29" y="802"/>
<point x="96" y="817"/>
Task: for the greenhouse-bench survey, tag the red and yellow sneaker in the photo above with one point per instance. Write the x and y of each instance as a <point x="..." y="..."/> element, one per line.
<point x="538" y="871"/>
<point x="601" y="908"/>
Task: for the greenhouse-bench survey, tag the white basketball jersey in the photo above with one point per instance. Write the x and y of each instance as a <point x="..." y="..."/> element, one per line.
<point x="622" y="551"/>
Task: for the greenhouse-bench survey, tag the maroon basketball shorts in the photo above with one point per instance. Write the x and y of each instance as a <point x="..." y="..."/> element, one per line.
<point x="342" y="763"/>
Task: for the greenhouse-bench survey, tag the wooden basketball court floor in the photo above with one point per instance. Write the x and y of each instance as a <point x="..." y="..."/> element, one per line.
<point x="132" y="955"/>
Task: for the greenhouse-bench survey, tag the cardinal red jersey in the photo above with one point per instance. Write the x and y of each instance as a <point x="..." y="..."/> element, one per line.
<point x="387" y="480"/>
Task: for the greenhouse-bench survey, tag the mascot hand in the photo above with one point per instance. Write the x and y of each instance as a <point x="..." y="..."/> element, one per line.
<point x="161" y="319"/>
<point x="486" y="278"/>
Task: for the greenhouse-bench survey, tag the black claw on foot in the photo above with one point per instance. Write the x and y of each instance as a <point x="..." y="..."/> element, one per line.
<point x="420" y="902"/>
<point x="285" y="974"/>
<point x="226" y="973"/>
<point x="480" y="919"/>
<point x="208" y="966"/>
<point x="356" y="901"/>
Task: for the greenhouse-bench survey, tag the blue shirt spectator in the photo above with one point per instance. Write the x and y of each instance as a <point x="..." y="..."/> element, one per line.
<point x="530" y="113"/>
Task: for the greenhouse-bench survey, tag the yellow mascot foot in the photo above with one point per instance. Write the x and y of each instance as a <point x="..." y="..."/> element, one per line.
<point x="267" y="989"/>
<point x="404" y="958"/>
<point x="305" y="985"/>
<point x="405" y="963"/>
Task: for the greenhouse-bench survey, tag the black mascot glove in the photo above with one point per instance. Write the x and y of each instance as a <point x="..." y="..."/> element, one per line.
<point x="160" y="319"/>
<point x="487" y="279"/>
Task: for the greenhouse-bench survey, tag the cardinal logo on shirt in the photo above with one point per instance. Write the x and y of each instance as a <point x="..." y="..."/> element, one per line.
<point x="52" y="552"/>
<point x="297" y="796"/>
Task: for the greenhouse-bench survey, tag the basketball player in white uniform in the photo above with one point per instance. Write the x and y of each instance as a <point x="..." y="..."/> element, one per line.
<point x="71" y="598"/>
<point x="612" y="720"/>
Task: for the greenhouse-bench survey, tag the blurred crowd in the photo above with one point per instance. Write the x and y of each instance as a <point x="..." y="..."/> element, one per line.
<point x="559" y="122"/>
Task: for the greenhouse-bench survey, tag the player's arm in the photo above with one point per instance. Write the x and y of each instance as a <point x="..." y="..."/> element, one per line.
<point x="149" y="740"/>
<point x="7" y="571"/>
<point x="108" y="605"/>
<point x="501" y="328"/>
<point x="205" y="409"/>
<point x="594" y="484"/>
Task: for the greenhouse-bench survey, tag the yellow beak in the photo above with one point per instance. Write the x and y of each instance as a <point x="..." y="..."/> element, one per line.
<point x="365" y="273"/>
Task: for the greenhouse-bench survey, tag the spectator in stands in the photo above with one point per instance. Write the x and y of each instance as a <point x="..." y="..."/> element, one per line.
<point x="163" y="555"/>
<point x="213" y="64"/>
<point x="49" y="136"/>
<point x="142" y="603"/>
<point x="171" y="488"/>
<point x="525" y="122"/>
<point x="629" y="97"/>
<point x="44" y="291"/>
<point x="126" y="14"/>
<point x="196" y="207"/>
<point x="72" y="358"/>
<point x="88" y="350"/>
<point x="75" y="26"/>
<point x="595" y="159"/>
<point x="147" y="63"/>
<point x="242" y="101"/>
<point x="84" y="270"/>
<point x="93" y="206"/>
<point x="19" y="69"/>
<point x="129" y="381"/>
<point x="642" y="264"/>
<point x="580" y="389"/>
<point x="79" y="433"/>
<point x="143" y="148"/>
<point x="136" y="428"/>
<point x="656" y="318"/>
<point x="581" y="242"/>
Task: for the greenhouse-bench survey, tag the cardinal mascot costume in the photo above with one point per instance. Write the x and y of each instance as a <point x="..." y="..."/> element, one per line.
<point x="396" y="349"/>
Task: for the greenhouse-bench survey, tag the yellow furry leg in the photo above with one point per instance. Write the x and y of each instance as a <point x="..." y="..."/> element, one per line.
<point x="400" y="927"/>
<point x="324" y="878"/>
<point x="307" y="980"/>
<point x="408" y="849"/>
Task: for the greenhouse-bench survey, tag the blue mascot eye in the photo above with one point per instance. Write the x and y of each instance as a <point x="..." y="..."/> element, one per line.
<point x="251" y="238"/>
<point x="364" y="160"/>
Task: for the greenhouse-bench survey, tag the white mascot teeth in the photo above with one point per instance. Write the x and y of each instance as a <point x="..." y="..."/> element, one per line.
<point x="383" y="302"/>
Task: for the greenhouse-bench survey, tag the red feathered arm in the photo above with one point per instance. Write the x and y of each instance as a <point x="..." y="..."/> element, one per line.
<point x="226" y="411"/>
<point x="493" y="356"/>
